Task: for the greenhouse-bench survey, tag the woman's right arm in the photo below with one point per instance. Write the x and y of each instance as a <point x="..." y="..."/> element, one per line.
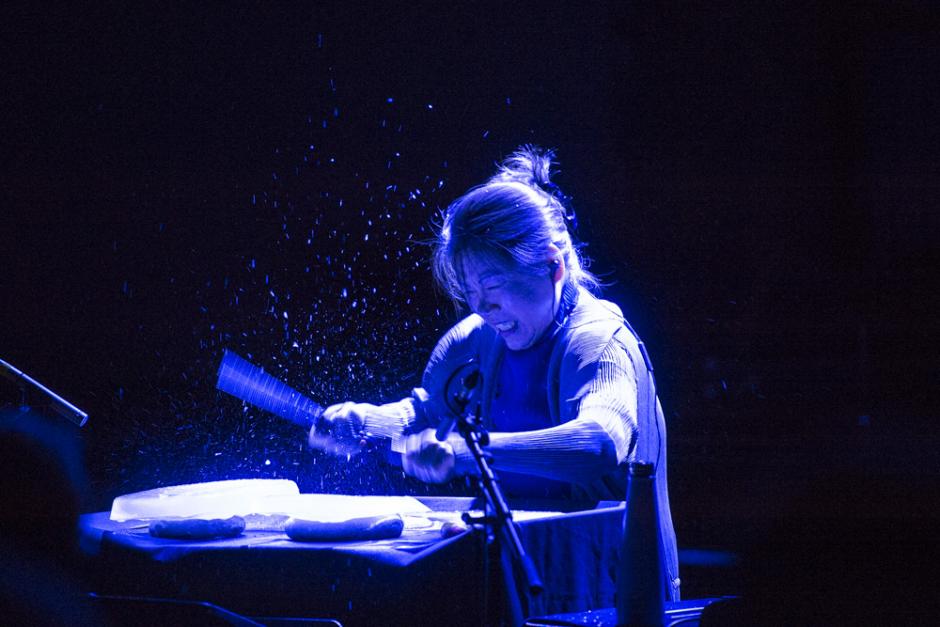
<point x="345" y="428"/>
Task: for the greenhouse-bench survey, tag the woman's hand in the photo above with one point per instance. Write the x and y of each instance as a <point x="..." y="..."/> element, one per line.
<point x="340" y="429"/>
<point x="427" y="459"/>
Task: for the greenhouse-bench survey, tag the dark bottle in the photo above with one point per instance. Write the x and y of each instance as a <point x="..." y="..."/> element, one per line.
<point x="640" y="578"/>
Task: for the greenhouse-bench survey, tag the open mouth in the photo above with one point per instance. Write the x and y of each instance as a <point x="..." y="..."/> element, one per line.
<point x="505" y="327"/>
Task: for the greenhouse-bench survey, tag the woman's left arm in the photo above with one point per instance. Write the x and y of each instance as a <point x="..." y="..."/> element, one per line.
<point x="601" y="436"/>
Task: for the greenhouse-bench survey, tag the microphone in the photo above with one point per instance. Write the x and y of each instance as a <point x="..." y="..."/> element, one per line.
<point x="58" y="404"/>
<point x="461" y="399"/>
<point x="251" y="384"/>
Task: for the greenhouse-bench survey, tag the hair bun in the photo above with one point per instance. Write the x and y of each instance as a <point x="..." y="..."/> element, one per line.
<point x="530" y="165"/>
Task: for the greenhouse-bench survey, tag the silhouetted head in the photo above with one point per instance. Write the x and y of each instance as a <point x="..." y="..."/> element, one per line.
<point x="41" y="482"/>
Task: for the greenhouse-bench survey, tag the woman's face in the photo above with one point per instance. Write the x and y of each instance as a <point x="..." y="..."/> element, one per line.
<point x="518" y="305"/>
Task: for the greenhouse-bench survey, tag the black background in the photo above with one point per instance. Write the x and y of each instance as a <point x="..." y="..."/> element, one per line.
<point x="757" y="184"/>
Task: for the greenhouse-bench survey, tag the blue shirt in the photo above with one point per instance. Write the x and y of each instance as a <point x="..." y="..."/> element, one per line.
<point x="520" y="403"/>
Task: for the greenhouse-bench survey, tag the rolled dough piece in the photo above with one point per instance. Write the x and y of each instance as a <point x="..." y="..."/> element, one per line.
<point x="197" y="528"/>
<point x="369" y="528"/>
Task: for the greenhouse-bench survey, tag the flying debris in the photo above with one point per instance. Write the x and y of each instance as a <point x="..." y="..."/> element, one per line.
<point x="324" y="220"/>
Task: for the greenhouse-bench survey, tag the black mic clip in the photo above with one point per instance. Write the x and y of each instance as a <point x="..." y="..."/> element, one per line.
<point x="459" y="401"/>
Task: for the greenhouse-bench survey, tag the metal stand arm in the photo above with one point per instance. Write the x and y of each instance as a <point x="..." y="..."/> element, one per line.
<point x="499" y="517"/>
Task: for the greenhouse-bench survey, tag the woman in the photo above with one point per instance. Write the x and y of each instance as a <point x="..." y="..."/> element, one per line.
<point x="567" y="393"/>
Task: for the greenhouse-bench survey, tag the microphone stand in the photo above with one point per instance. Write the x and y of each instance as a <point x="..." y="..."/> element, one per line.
<point x="56" y="403"/>
<point x="498" y="516"/>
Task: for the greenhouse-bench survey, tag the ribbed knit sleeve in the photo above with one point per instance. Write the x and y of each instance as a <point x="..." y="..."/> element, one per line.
<point x="392" y="421"/>
<point x="610" y="398"/>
